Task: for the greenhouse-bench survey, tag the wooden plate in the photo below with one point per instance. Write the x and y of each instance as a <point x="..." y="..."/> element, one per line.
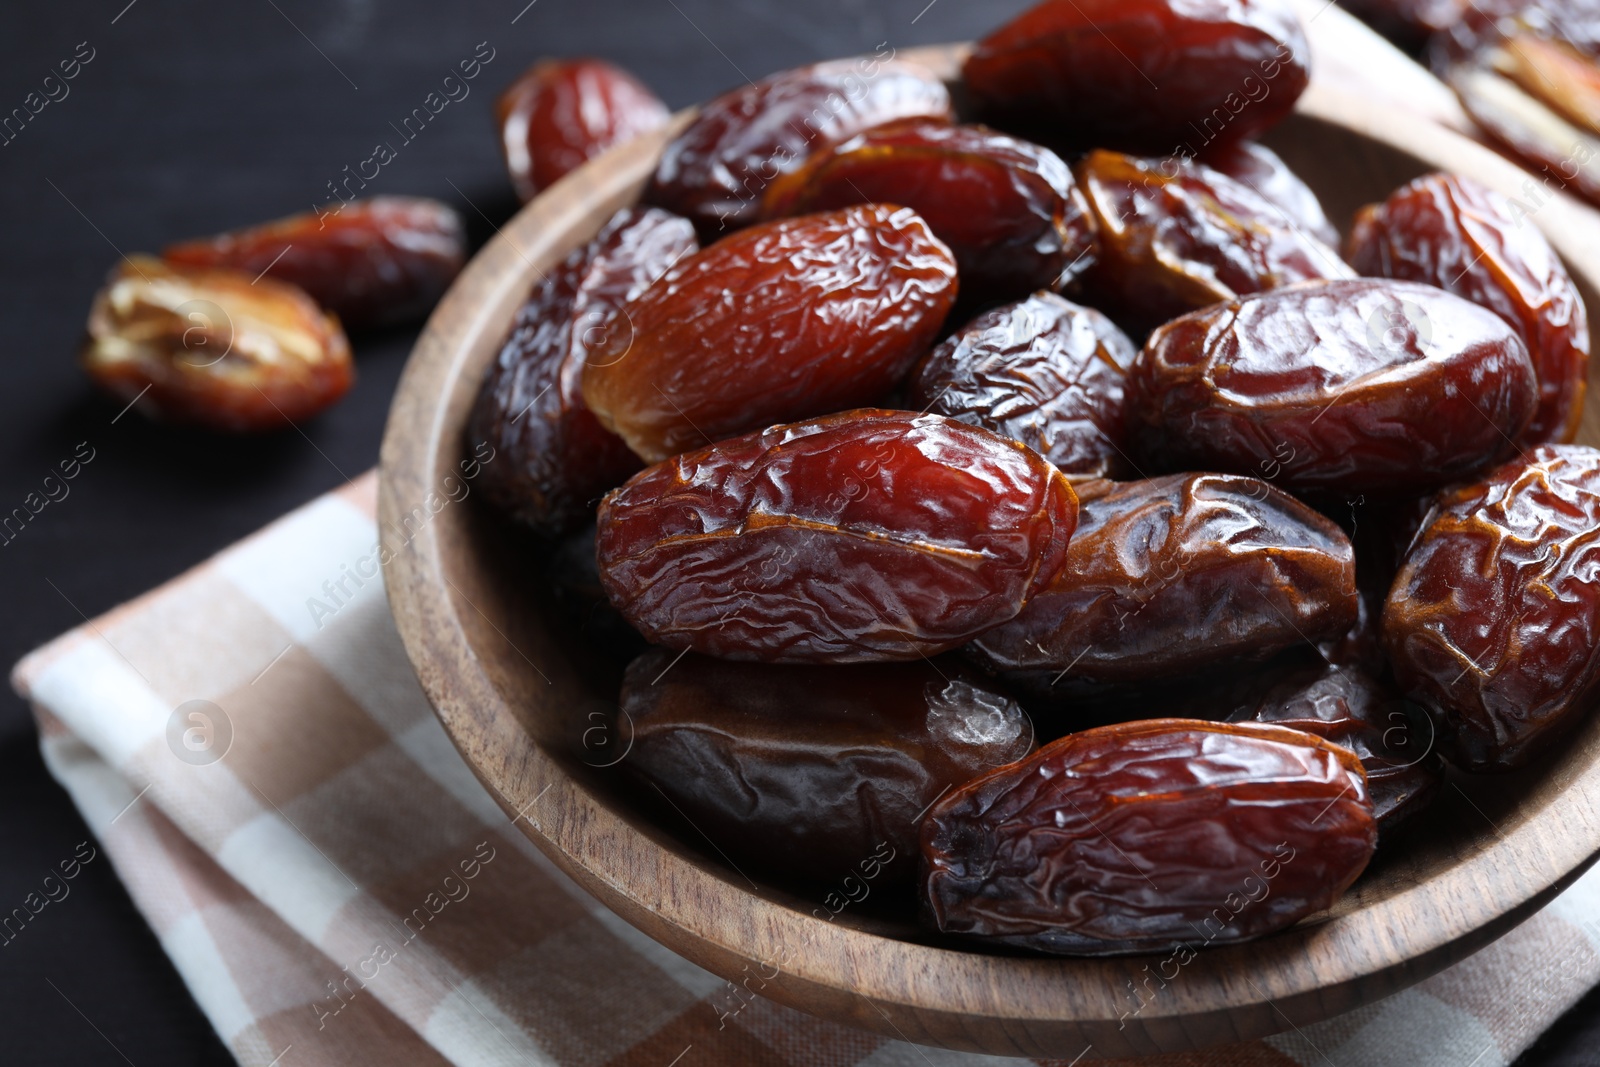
<point x="515" y="692"/>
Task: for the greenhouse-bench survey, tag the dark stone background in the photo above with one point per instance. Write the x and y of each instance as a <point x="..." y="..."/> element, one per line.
<point x="197" y="117"/>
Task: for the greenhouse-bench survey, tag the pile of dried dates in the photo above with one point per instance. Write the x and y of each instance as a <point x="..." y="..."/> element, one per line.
<point x="1035" y="516"/>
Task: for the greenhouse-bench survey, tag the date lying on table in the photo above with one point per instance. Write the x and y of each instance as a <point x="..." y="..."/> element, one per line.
<point x="805" y="772"/>
<point x="1129" y="838"/>
<point x="867" y="535"/>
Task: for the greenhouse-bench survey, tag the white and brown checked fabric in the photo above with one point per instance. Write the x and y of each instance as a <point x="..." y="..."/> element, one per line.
<point x="339" y="889"/>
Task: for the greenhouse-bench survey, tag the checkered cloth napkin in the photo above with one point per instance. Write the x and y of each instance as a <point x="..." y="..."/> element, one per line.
<point x="336" y="887"/>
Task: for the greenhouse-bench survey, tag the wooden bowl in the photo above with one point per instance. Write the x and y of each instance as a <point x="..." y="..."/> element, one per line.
<point x="515" y="692"/>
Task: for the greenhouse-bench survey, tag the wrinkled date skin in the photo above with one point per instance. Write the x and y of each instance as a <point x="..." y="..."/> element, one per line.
<point x="1130" y="838"/>
<point x="1366" y="386"/>
<point x="1351" y="707"/>
<point x="1494" y="620"/>
<point x="1174" y="574"/>
<point x="1008" y="209"/>
<point x="1142" y="75"/>
<point x="553" y="458"/>
<point x="372" y="262"/>
<point x="1042" y="371"/>
<point x="779" y="322"/>
<point x="718" y="169"/>
<point x="1176" y="235"/>
<point x="866" y="535"/>
<point x="1463" y="237"/>
<point x="214" y="348"/>
<point x="810" y="772"/>
<point x="1263" y="172"/>
<point x="563" y="112"/>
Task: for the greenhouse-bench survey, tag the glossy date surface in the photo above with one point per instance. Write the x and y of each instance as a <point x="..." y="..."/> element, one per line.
<point x="1176" y="235"/>
<point x="718" y="169"/>
<point x="1364" y="386"/>
<point x="1043" y="371"/>
<point x="806" y="772"/>
<point x="563" y="112"/>
<point x="1142" y="75"/>
<point x="553" y="459"/>
<point x="1130" y="838"/>
<point x="1262" y="171"/>
<point x="865" y="535"/>
<point x="371" y="262"/>
<point x="781" y="321"/>
<point x="1009" y="209"/>
<point x="1494" y="618"/>
<point x="1178" y="573"/>
<point x="1460" y="235"/>
<point x="214" y="348"/>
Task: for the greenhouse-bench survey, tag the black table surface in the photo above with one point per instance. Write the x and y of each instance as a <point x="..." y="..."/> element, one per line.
<point x="190" y="118"/>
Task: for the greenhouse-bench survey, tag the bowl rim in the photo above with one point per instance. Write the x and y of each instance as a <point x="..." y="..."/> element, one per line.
<point x="920" y="992"/>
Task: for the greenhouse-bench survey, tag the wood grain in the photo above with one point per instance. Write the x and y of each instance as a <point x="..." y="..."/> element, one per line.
<point x="513" y="690"/>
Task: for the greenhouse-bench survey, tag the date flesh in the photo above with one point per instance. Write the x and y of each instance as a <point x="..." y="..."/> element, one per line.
<point x="553" y="458"/>
<point x="781" y="321"/>
<point x="1009" y="210"/>
<point x="563" y="112"/>
<point x="1142" y="75"/>
<point x="718" y="169"/>
<point x="1043" y="371"/>
<point x="1130" y="838"/>
<point x="1365" y="386"/>
<point x="866" y="535"/>
<point x="373" y="262"/>
<point x="213" y="348"/>
<point x="1176" y="235"/>
<point x="1262" y="171"/>
<point x="1174" y="574"/>
<point x="806" y="772"/>
<point x="1457" y="234"/>
<point x="1494" y="619"/>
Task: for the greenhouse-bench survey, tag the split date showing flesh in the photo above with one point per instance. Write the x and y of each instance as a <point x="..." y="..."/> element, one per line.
<point x="865" y="535"/>
<point x="805" y="772"/>
<point x="1042" y="371"/>
<point x="1142" y="75"/>
<point x="553" y="458"/>
<point x="1462" y="236"/>
<point x="1364" y="385"/>
<point x="1131" y="838"/>
<point x="1494" y="618"/>
<point x="1174" y="574"/>
<point x="782" y="321"/>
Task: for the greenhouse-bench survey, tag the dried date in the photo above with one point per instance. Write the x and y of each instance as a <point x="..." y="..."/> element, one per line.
<point x="1176" y="235"/>
<point x="371" y="262"/>
<point x="805" y="772"/>
<point x="1364" y="386"/>
<point x="1008" y="209"/>
<point x="213" y="348"/>
<point x="1175" y="574"/>
<point x="1130" y="838"/>
<point x="554" y="459"/>
<point x="563" y="112"/>
<point x="866" y="535"/>
<point x="1142" y="75"/>
<point x="1494" y="619"/>
<point x="1043" y="371"/>
<point x="1465" y="238"/>
<point x="778" y="322"/>
<point x="1264" y="173"/>
<point x="718" y="169"/>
